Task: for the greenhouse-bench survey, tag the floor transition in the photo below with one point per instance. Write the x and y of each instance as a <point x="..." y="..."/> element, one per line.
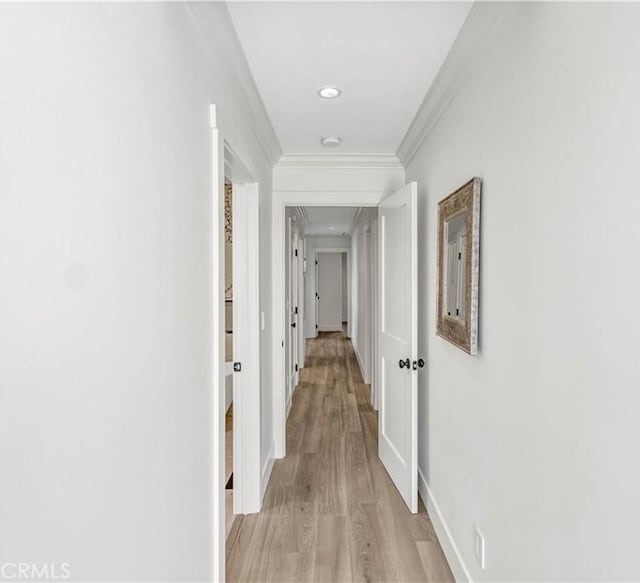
<point x="331" y="512"/>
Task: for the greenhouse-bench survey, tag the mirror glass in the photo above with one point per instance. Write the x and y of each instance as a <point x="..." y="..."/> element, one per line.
<point x="455" y="259"/>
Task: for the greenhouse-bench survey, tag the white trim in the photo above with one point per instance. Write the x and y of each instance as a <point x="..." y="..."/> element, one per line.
<point x="354" y="222"/>
<point x="225" y="49"/>
<point x="451" y="551"/>
<point x="359" y="359"/>
<point x="346" y="250"/>
<point x="267" y="468"/>
<point x="304" y="217"/>
<point x="290" y="402"/>
<point x="339" y="161"/>
<point x="280" y="200"/>
<point x="467" y="50"/>
<point x="217" y="352"/>
<point x="330" y="328"/>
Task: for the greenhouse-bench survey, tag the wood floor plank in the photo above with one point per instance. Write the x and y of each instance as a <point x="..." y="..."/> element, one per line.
<point x="331" y="513"/>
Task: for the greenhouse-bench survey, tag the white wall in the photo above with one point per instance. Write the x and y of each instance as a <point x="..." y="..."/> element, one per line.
<point x="364" y="244"/>
<point x="105" y="229"/>
<point x="536" y="440"/>
<point x="345" y="289"/>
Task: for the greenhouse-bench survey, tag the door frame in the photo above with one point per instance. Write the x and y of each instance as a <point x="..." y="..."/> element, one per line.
<point x="293" y="297"/>
<point x="225" y="163"/>
<point x="281" y="200"/>
<point x="346" y="250"/>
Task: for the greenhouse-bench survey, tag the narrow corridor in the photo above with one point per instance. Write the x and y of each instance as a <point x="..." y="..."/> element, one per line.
<point x="331" y="512"/>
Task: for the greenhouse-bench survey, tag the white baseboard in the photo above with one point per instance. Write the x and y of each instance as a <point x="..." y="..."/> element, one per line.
<point x="288" y="406"/>
<point x="359" y="359"/>
<point x="451" y="552"/>
<point x="330" y="328"/>
<point x="266" y="471"/>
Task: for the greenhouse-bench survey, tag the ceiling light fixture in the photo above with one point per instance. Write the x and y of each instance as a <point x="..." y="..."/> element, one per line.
<point x="332" y="228"/>
<point x="329" y="92"/>
<point x="331" y="142"/>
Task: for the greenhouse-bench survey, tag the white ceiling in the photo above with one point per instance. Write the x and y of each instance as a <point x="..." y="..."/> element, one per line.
<point x="319" y="220"/>
<point x="383" y="55"/>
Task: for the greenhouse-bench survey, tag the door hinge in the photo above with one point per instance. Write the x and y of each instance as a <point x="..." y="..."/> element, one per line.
<point x="237" y="366"/>
<point x="296" y="310"/>
<point x="316" y="262"/>
<point x="316" y="326"/>
<point x="296" y="368"/>
<point x="459" y="256"/>
<point x="296" y="252"/>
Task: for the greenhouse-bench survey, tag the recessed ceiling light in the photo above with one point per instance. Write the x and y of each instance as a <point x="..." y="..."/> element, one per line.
<point x="332" y="228"/>
<point x="331" y="142"/>
<point x="329" y="92"/>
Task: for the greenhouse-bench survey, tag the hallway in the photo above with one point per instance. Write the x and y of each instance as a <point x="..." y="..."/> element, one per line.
<point x="331" y="512"/>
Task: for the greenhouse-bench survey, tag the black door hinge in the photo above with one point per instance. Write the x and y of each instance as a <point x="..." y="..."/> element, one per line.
<point x="459" y="256"/>
<point x="296" y="368"/>
<point x="296" y="310"/>
<point x="296" y="252"/>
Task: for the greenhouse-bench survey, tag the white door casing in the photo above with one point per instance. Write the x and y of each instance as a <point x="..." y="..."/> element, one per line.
<point x="217" y="356"/>
<point x="398" y="340"/>
<point x="293" y="306"/>
<point x="329" y="285"/>
<point x="280" y="201"/>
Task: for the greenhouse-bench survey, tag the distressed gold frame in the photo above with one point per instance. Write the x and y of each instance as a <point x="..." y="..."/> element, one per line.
<point x="461" y="333"/>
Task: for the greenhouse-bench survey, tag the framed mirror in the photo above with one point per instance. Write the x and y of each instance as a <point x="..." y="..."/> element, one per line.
<point x="459" y="266"/>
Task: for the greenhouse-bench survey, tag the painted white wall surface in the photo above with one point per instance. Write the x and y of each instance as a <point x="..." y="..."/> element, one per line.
<point x="364" y="243"/>
<point x="311" y="245"/>
<point x="536" y="440"/>
<point x="329" y="292"/>
<point x="345" y="292"/>
<point x="105" y="255"/>
<point x="346" y="173"/>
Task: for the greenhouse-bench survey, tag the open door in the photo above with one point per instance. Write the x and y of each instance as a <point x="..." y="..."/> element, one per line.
<point x="398" y="341"/>
<point x="246" y="348"/>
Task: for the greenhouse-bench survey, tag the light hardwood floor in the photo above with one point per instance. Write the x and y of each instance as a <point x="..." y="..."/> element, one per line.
<point x="331" y="512"/>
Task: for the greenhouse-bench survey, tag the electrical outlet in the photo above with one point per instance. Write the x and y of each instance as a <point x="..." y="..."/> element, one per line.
<point x="480" y="548"/>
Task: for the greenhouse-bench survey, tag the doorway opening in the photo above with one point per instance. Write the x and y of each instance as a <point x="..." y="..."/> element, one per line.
<point x="228" y="353"/>
<point x="325" y="289"/>
<point x="241" y="473"/>
<point x="382" y="260"/>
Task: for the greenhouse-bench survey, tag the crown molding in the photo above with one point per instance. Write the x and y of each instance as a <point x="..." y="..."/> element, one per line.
<point x="219" y="36"/>
<point x="303" y="215"/>
<point x="466" y="52"/>
<point x="339" y="161"/>
<point x="354" y="222"/>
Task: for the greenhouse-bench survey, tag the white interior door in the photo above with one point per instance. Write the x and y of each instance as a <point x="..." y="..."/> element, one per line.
<point x="246" y="348"/>
<point x="398" y="419"/>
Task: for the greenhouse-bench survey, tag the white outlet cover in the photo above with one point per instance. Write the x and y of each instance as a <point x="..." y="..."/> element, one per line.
<point x="480" y="548"/>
